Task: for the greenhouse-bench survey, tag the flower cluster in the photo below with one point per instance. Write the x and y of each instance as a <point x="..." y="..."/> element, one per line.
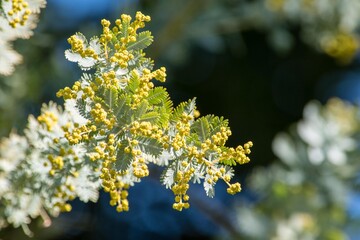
<point x="17" y="20"/>
<point x="19" y="13"/>
<point x="115" y="123"/>
<point x="132" y="123"/>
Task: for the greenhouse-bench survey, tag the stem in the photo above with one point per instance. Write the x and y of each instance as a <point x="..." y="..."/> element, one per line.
<point x="26" y="230"/>
<point x="47" y="220"/>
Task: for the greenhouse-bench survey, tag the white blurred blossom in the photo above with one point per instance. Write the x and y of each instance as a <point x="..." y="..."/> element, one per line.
<point x="17" y="21"/>
<point x="295" y="227"/>
<point x="27" y="187"/>
<point x="327" y="133"/>
<point x="304" y="193"/>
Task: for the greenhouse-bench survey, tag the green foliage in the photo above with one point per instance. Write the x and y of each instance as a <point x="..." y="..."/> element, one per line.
<point x="123" y="159"/>
<point x="183" y="108"/>
<point x="149" y="146"/>
<point x="201" y="127"/>
<point x="111" y="97"/>
<point x="144" y="40"/>
<point x="158" y="95"/>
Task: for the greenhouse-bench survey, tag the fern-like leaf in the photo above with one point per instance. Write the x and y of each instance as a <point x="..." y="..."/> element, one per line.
<point x="111" y="97"/>
<point x="228" y="162"/>
<point x="122" y="109"/>
<point x="123" y="160"/>
<point x="134" y="83"/>
<point x="209" y="188"/>
<point x="87" y="78"/>
<point x="81" y="105"/>
<point x="168" y="176"/>
<point x="162" y="104"/>
<point x="149" y="145"/>
<point x="144" y="39"/>
<point x="158" y="95"/>
<point x="216" y="123"/>
<point x="124" y="29"/>
<point x="165" y="113"/>
<point x="184" y="107"/>
<point x="140" y="62"/>
<point x="151" y="117"/>
<point x="140" y="110"/>
<point x="202" y="128"/>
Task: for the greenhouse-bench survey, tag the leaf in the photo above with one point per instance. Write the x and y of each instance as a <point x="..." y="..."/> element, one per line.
<point x="133" y="83"/>
<point x="150" y="117"/>
<point x="87" y="78"/>
<point x="202" y="128"/>
<point x="71" y="106"/>
<point x="144" y="39"/>
<point x="216" y="123"/>
<point x="140" y="62"/>
<point x="164" y="107"/>
<point x="123" y="160"/>
<point x="209" y="188"/>
<point x="164" y="116"/>
<point x="72" y="56"/>
<point x="140" y="110"/>
<point x="95" y="44"/>
<point x="229" y="171"/>
<point x="124" y="29"/>
<point x="193" y="139"/>
<point x="158" y="95"/>
<point x="84" y="63"/>
<point x="86" y="187"/>
<point x="162" y="160"/>
<point x="228" y="162"/>
<point x="120" y="105"/>
<point x="81" y="106"/>
<point x="122" y="109"/>
<point x="198" y="173"/>
<point x="149" y="145"/>
<point x="111" y="97"/>
<point x="81" y="37"/>
<point x="184" y="107"/>
<point x="168" y="176"/>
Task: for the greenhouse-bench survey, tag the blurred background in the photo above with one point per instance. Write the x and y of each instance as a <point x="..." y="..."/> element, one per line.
<point x="255" y="62"/>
